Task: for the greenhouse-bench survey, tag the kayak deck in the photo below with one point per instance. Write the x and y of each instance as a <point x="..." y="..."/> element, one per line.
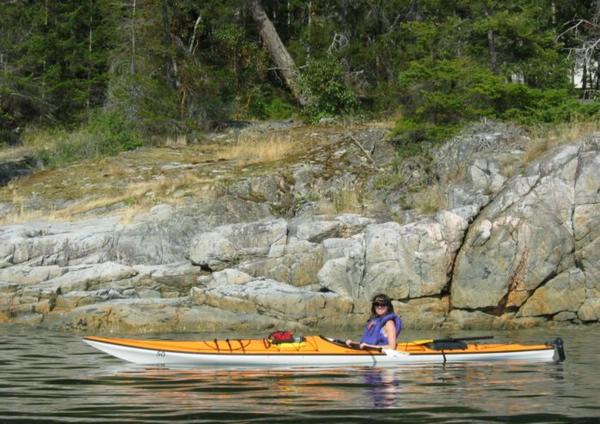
<point x="312" y="350"/>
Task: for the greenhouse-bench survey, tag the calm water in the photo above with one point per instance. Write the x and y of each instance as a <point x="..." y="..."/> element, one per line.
<point x="54" y="377"/>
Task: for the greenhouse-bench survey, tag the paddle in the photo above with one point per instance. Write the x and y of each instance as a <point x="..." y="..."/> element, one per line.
<point x="420" y="342"/>
<point x="353" y="345"/>
<point x="447" y="340"/>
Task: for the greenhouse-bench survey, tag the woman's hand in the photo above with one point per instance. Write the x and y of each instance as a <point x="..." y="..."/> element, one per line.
<point x="349" y="343"/>
<point x="369" y="346"/>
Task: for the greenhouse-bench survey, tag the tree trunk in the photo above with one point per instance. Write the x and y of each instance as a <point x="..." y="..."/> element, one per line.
<point x="133" y="65"/>
<point x="89" y="65"/>
<point x="491" y="39"/>
<point x="284" y="62"/>
<point x="584" y="81"/>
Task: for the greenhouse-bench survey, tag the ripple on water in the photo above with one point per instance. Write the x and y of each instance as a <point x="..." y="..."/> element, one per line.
<point x="57" y="378"/>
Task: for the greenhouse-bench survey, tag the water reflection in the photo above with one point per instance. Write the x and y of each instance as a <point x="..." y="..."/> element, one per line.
<point x="57" y="378"/>
<point x="383" y="386"/>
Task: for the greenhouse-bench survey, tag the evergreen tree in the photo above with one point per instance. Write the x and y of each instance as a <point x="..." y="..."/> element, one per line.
<point x="164" y="66"/>
<point x="60" y="54"/>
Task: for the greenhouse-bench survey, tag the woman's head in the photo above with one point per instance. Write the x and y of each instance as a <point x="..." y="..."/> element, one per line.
<point x="381" y="305"/>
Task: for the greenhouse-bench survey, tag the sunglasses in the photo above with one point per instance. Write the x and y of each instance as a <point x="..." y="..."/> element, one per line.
<point x="380" y="305"/>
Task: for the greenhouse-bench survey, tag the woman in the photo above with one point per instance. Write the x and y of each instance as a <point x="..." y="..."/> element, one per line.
<point x="382" y="328"/>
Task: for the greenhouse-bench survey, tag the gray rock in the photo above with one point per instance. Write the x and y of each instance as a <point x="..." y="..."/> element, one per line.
<point x="30" y="275"/>
<point x="343" y="268"/>
<point x="179" y="272"/>
<point x="297" y="264"/>
<point x="565" y="316"/>
<point x="154" y="315"/>
<point x="564" y="293"/>
<point x="485" y="175"/>
<point x="228" y="277"/>
<point x="590" y="310"/>
<point x="413" y="260"/>
<point x="526" y="249"/>
<point x="165" y="234"/>
<point x="461" y="195"/>
<point x="522" y="238"/>
<point x="40" y="243"/>
<point x="424" y="313"/>
<point x="264" y="188"/>
<point x="229" y="243"/>
<point x="314" y="231"/>
<point x="484" y="140"/>
<point x="83" y="277"/>
<point x="274" y="299"/>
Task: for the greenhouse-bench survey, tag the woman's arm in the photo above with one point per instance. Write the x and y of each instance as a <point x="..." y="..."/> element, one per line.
<point x="390" y="333"/>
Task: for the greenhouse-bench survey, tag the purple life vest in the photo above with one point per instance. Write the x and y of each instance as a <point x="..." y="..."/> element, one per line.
<point x="374" y="333"/>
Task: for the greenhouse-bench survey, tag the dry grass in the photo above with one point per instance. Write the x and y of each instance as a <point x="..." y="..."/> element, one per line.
<point x="349" y="199"/>
<point x="176" y="142"/>
<point x="456" y="176"/>
<point x="431" y="200"/>
<point x="33" y="140"/>
<point x="258" y="148"/>
<point x="545" y="138"/>
<point x="134" y="199"/>
<point x="9" y="153"/>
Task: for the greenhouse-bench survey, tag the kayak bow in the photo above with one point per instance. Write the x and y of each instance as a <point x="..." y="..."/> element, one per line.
<point x="315" y="351"/>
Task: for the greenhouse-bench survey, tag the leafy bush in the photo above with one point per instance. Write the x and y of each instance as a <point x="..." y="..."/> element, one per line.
<point x="114" y="133"/>
<point x="104" y="134"/>
<point x="323" y="81"/>
<point x="265" y="104"/>
<point x="441" y="96"/>
<point x="551" y="106"/>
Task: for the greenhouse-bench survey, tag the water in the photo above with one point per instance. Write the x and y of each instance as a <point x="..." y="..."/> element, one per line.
<point x="54" y="377"/>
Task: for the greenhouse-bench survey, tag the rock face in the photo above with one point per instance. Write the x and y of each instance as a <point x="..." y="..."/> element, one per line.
<point x="509" y="252"/>
<point x="531" y="249"/>
<point x="231" y="243"/>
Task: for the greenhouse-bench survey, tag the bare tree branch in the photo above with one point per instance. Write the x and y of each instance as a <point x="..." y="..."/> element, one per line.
<point x="191" y="48"/>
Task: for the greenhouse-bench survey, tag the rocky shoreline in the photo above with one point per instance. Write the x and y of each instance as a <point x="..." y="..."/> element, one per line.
<point x="508" y="251"/>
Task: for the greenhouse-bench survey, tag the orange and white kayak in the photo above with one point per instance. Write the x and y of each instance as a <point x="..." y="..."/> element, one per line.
<point x="317" y="351"/>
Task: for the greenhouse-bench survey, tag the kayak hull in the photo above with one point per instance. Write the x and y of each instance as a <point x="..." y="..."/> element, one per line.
<point x="316" y="351"/>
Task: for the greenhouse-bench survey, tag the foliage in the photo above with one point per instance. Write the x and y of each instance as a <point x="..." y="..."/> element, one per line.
<point x="439" y="97"/>
<point x="104" y="134"/>
<point x="170" y="67"/>
<point x="323" y="80"/>
<point x="269" y="104"/>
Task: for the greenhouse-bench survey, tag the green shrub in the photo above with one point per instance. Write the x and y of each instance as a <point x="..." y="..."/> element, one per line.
<point x="551" y="106"/>
<point x="439" y="97"/>
<point x="268" y="104"/>
<point x="323" y="81"/>
<point x="114" y="133"/>
<point x="104" y="134"/>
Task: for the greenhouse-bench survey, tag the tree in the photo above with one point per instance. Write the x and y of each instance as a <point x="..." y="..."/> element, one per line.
<point x="284" y="61"/>
<point x="582" y="38"/>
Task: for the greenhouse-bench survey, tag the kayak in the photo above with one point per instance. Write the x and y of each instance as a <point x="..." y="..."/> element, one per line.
<point x="318" y="351"/>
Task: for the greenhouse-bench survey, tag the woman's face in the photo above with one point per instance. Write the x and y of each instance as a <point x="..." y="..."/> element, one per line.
<point x="380" y="308"/>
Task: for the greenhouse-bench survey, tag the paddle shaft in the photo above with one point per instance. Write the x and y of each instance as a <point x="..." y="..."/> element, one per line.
<point x="462" y="339"/>
<point x="343" y="342"/>
<point x="447" y="340"/>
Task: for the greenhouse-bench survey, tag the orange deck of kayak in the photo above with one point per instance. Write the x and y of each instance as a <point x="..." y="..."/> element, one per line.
<point x="312" y="345"/>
